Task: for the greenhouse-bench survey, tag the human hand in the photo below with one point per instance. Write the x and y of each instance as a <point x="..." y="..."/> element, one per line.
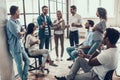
<point x="73" y="24"/>
<point x="44" y="24"/>
<point x="81" y="53"/>
<point x="67" y="26"/>
<point x="37" y="41"/>
<point x="60" y="21"/>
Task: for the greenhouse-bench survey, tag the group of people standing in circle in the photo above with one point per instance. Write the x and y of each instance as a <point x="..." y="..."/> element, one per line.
<point x="35" y="44"/>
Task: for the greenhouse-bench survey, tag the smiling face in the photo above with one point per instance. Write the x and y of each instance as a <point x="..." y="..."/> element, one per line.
<point x="59" y="14"/>
<point x="45" y="10"/>
<point x="17" y="14"/>
<point x="73" y="11"/>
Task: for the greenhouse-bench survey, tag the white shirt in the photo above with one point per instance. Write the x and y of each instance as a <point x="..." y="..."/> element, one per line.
<point x="75" y="19"/>
<point x="30" y="39"/>
<point x="118" y="66"/>
<point x="108" y="58"/>
<point x="61" y="25"/>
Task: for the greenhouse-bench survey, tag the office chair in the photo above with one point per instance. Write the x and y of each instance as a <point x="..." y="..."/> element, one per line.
<point x="108" y="75"/>
<point x="32" y="66"/>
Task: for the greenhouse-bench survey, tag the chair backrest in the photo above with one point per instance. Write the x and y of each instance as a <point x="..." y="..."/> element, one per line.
<point x="108" y="75"/>
<point x="26" y="49"/>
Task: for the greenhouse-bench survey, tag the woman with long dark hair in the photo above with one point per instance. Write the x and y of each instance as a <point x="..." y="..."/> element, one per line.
<point x="32" y="44"/>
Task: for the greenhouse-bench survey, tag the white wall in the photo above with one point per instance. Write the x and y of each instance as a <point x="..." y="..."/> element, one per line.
<point x="6" y="64"/>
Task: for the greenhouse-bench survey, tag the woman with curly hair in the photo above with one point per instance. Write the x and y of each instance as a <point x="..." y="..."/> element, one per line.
<point x="99" y="29"/>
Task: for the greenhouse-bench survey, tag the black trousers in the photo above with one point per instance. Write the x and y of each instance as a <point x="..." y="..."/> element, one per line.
<point x="74" y="38"/>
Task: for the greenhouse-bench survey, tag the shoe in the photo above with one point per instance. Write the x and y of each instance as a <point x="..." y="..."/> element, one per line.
<point x="69" y="59"/>
<point x="42" y="69"/>
<point x="57" y="59"/>
<point x="61" y="59"/>
<point x="51" y="63"/>
<point x="60" y="78"/>
<point x="70" y="66"/>
<point x="55" y="65"/>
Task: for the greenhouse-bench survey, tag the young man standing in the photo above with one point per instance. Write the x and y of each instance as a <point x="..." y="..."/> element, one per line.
<point x="14" y="34"/>
<point x="44" y="23"/>
<point x="75" y="24"/>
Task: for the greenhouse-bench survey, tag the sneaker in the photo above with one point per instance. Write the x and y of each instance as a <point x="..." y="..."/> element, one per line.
<point x="42" y="69"/>
<point x="60" y="78"/>
<point x="69" y="59"/>
<point x="61" y="59"/>
<point x="51" y="63"/>
<point x="55" y="65"/>
<point x="57" y="59"/>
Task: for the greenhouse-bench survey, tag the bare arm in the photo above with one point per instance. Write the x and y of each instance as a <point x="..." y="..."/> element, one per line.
<point x="93" y="61"/>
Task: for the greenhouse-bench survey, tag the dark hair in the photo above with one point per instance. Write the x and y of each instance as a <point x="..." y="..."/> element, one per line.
<point x="113" y="35"/>
<point x="44" y="7"/>
<point x="13" y="9"/>
<point x="73" y="7"/>
<point x="30" y="28"/>
<point x="91" y="22"/>
<point x="102" y="12"/>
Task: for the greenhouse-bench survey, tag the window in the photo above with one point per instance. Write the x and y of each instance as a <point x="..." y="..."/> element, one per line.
<point x="88" y="8"/>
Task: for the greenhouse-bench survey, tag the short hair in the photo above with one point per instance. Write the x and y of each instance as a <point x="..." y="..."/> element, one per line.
<point x="73" y="7"/>
<point x="91" y="22"/>
<point x="13" y="9"/>
<point x="113" y="35"/>
<point x="44" y="7"/>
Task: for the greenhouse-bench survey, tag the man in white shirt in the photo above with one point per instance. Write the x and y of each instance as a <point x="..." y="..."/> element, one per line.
<point x="75" y="23"/>
<point x="99" y="63"/>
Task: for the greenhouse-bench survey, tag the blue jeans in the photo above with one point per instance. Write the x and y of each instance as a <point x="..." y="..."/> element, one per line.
<point x="74" y="38"/>
<point x="22" y="71"/>
<point x="69" y="50"/>
<point x="95" y="45"/>
<point x="74" y="53"/>
<point x="45" y="41"/>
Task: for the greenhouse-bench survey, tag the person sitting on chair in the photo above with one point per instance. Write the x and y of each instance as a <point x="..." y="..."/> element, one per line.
<point x="99" y="63"/>
<point x="32" y="44"/>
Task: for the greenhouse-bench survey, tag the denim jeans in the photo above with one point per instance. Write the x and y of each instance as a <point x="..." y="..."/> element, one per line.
<point x="69" y="51"/>
<point x="18" y="57"/>
<point x="95" y="45"/>
<point x="45" y="41"/>
<point x="73" y="53"/>
<point x="74" y="38"/>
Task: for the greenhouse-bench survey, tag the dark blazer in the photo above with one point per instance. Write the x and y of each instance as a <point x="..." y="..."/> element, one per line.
<point x="40" y="20"/>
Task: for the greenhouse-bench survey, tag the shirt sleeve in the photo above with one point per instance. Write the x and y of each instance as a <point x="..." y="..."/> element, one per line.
<point x="103" y="57"/>
<point x="14" y="29"/>
<point x="27" y="45"/>
<point x="39" y="21"/>
<point x="101" y="25"/>
<point x="79" y="20"/>
<point x="90" y="39"/>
